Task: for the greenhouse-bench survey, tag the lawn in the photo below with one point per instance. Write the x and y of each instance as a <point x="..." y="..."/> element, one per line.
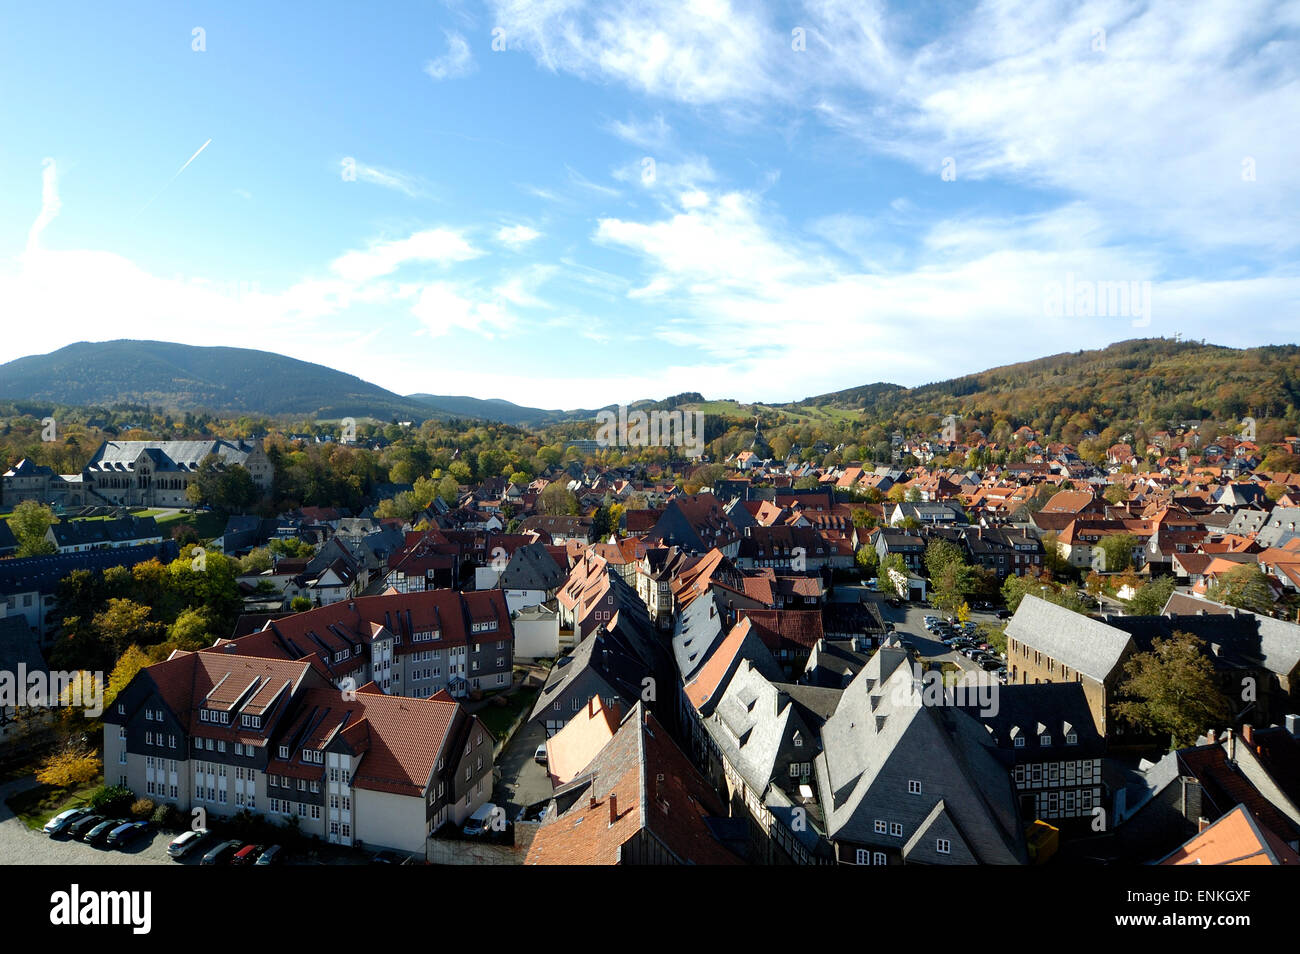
<point x="38" y="805"/>
<point x="498" y="719"/>
<point x="207" y="523"/>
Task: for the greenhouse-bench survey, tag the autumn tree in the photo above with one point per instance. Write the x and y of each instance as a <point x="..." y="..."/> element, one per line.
<point x="557" y="500"/>
<point x="71" y="765"/>
<point x="128" y="664"/>
<point x="1245" y="587"/>
<point x="29" y="523"/>
<point x="1150" y="600"/>
<point x="1118" y="550"/>
<point x="1171" y="690"/>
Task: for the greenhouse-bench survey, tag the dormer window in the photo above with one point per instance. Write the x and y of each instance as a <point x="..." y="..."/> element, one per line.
<point x="284" y="751"/>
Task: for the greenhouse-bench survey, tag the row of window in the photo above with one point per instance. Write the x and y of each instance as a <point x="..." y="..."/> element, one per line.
<point x="285" y="807"/>
<point x="863" y="856"/>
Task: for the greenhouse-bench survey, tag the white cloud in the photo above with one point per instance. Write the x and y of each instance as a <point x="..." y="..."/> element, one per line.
<point x="653" y="133"/>
<point x="517" y="236"/>
<point x="702" y="51"/>
<point x="1156" y="127"/>
<point x="439" y="246"/>
<point x="50" y="204"/>
<point x="411" y="185"/>
<point x="444" y="306"/>
<point x="783" y="319"/>
<point x="458" y="61"/>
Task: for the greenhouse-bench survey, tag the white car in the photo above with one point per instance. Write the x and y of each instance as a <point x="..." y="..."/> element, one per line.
<point x="540" y="755"/>
<point x="185" y="842"/>
<point x="61" y="821"/>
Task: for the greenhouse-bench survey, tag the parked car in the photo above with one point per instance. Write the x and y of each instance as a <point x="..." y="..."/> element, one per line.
<point x="83" y="824"/>
<point x="1004" y="614"/>
<point x="540" y="755"/>
<point x="61" y="822"/>
<point x="186" y="842"/>
<point x="222" y="854"/>
<point x="99" y="834"/>
<point x="991" y="664"/>
<point x="480" y="821"/>
<point x="124" y="835"/>
<point x="272" y="855"/>
<point x="247" y="855"/>
<point x="386" y="858"/>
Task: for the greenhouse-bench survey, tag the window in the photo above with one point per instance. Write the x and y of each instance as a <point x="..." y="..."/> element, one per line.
<point x="943" y="846"/>
<point x="881" y="827"/>
<point x="1072" y="739"/>
<point x="1020" y="741"/>
<point x="878" y="858"/>
<point x="284" y="751"/>
<point x="896" y="829"/>
<point x="1044" y="740"/>
<point x="913" y="787"/>
<point x="862" y="856"/>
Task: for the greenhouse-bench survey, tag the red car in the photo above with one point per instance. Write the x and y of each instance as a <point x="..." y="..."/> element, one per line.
<point x="246" y="855"/>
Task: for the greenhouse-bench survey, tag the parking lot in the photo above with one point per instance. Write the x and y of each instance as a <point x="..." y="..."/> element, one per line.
<point x="909" y="626"/>
<point x="19" y="845"/>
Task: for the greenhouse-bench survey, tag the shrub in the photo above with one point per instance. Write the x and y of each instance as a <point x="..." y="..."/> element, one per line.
<point x="167" y="818"/>
<point x="112" y="800"/>
<point x="142" y="808"/>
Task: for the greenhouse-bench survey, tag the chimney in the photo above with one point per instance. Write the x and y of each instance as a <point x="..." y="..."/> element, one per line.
<point x="1248" y="733"/>
<point x="1191" y="798"/>
<point x="1209" y="737"/>
<point x="1202" y="823"/>
<point x="613" y="808"/>
<point x="591" y="801"/>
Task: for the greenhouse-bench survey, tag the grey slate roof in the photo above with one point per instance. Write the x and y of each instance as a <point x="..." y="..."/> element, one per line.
<point x="1282" y="524"/>
<point x="19" y="646"/>
<point x="880" y="738"/>
<point x="43" y="573"/>
<point x="1242" y="637"/>
<point x="531" y="568"/>
<point x="697" y="632"/>
<point x="1084" y="644"/>
<point x="120" y="456"/>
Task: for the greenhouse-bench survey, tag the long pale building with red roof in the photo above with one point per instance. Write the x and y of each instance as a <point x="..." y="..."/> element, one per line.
<point x="225" y="732"/>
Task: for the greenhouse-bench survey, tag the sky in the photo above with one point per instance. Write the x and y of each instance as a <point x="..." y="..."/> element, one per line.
<point x="569" y="204"/>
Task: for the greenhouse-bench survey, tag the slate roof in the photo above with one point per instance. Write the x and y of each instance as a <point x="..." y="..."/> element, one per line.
<point x="1055" y="709"/>
<point x="1072" y="639"/>
<point x="531" y="567"/>
<point x="881" y="736"/>
<point x="1243" y="637"/>
<point x="19" y="647"/>
<point x="43" y="573"/>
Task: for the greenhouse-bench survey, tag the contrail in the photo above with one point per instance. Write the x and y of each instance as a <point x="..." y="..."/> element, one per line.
<point x="173" y="178"/>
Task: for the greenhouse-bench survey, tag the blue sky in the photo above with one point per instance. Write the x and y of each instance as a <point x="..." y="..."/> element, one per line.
<point x="630" y="198"/>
